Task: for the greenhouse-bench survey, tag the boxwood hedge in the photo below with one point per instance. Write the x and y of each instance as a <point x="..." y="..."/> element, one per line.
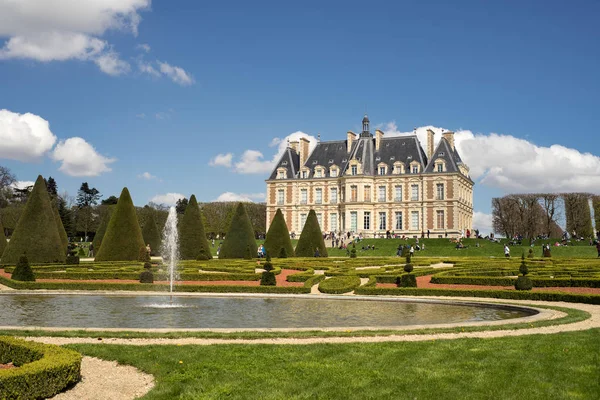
<point x="339" y="284"/>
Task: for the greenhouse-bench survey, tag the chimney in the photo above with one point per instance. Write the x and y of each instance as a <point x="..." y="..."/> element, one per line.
<point x="351" y="137"/>
<point x="430" y="144"/>
<point x="378" y="137"/>
<point x="449" y="136"/>
<point x="294" y="145"/>
<point x="303" y="150"/>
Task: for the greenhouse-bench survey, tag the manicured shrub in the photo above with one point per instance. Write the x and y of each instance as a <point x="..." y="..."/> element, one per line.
<point x="143" y="255"/>
<point x="123" y="238"/>
<point x="339" y="284"/>
<point x="268" y="265"/>
<point x="203" y="255"/>
<point x="146" y="276"/>
<point x="530" y="254"/>
<point x="311" y="239"/>
<point x="406" y="280"/>
<point x="267" y="278"/>
<point x="72" y="260"/>
<point x="151" y="235"/>
<point x="523" y="282"/>
<point x="36" y="233"/>
<point x="23" y="271"/>
<point x="2" y="240"/>
<point x="81" y="252"/>
<point x="101" y="231"/>
<point x="192" y="238"/>
<point x="43" y="370"/>
<point x="61" y="229"/>
<point x="283" y="253"/>
<point x="240" y="237"/>
<point x="353" y="251"/>
<point x="408" y="267"/>
<point x="278" y="236"/>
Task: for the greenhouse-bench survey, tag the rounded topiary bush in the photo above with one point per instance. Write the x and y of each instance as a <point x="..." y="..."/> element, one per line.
<point x="353" y="251"/>
<point x="408" y="267"/>
<point x="278" y="237"/>
<point x="530" y="254"/>
<point x="146" y="276"/>
<point x="203" y="255"/>
<point x="268" y="265"/>
<point x="267" y="278"/>
<point x="523" y="283"/>
<point x="23" y="271"/>
<point x="311" y="239"/>
<point x="239" y="241"/>
<point x="407" y="280"/>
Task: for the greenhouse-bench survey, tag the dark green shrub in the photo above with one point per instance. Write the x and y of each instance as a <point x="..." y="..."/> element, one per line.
<point x="2" y="240"/>
<point x="81" y="252"/>
<point x="147" y="265"/>
<point x="267" y="278"/>
<point x="203" y="255"/>
<point x="44" y="370"/>
<point x="143" y="254"/>
<point x="36" y="233"/>
<point x="523" y="267"/>
<point x="240" y="237"/>
<point x="407" y="280"/>
<point x="408" y="267"/>
<point x="353" y="251"/>
<point x="23" y="271"/>
<point x="64" y="239"/>
<point x="283" y="253"/>
<point x="192" y="238"/>
<point x="72" y="260"/>
<point x="278" y="236"/>
<point x="101" y="231"/>
<point x="523" y="283"/>
<point x="530" y="254"/>
<point x="268" y="265"/>
<point x="405" y="252"/>
<point x="248" y="255"/>
<point x="146" y="276"/>
<point x="151" y="235"/>
<point x="311" y="238"/>
<point x="123" y="238"/>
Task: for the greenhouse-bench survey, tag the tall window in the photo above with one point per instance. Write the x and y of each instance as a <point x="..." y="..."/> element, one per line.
<point x="354" y="170"/>
<point x="353" y="193"/>
<point x="381" y="196"/>
<point x="367" y="193"/>
<point x="414" y="192"/>
<point x="320" y="220"/>
<point x="440" y="167"/>
<point x="440" y="191"/>
<point x="382" y="170"/>
<point x="303" y="197"/>
<point x="302" y="221"/>
<point x="280" y="196"/>
<point x="415" y="169"/>
<point x="304" y="174"/>
<point x="440" y="219"/>
<point x="318" y="196"/>
<point x="414" y="220"/>
<point x="399" y="220"/>
<point x="333" y="197"/>
<point x="398" y="194"/>
<point x="333" y="222"/>
<point x="367" y="220"/>
<point x="353" y="221"/>
<point x="382" y="221"/>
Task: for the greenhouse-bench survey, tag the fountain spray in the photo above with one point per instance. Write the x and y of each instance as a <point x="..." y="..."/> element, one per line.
<point x="170" y="247"/>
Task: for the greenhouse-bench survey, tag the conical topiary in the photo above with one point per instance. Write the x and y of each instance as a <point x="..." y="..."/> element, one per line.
<point x="123" y="238"/>
<point x="240" y="236"/>
<point x="2" y="240"/>
<point x="64" y="239"/>
<point x="151" y="235"/>
<point x="278" y="237"/>
<point x="101" y="231"/>
<point x="311" y="238"/>
<point x="23" y="271"/>
<point x="192" y="239"/>
<point x="36" y="233"/>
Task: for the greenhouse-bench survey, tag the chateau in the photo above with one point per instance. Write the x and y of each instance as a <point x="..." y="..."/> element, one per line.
<point x="372" y="185"/>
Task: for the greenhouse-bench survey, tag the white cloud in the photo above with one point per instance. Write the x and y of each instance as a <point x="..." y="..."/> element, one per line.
<point x="147" y="175"/>
<point x="144" y="47"/>
<point x="53" y="46"/>
<point x="275" y="142"/>
<point x="176" y="74"/>
<point x="253" y="162"/>
<point x="221" y="160"/>
<point x="169" y="199"/>
<point x="110" y="64"/>
<point x="22" y="184"/>
<point x="244" y="197"/>
<point x="147" y="68"/>
<point x="517" y="165"/>
<point x="24" y="137"/>
<point x="483" y="222"/>
<point x="79" y="158"/>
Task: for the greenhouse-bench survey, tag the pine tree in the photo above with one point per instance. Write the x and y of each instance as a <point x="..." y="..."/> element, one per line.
<point x="61" y="229"/>
<point x="151" y="235"/>
<point x="311" y="238"/>
<point x="240" y="236"/>
<point x="192" y="239"/>
<point x="123" y="238"/>
<point x="36" y="233"/>
<point x="278" y="237"/>
<point x="101" y="231"/>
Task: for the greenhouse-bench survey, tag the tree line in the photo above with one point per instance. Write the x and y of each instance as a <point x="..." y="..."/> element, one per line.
<point x="538" y="214"/>
<point x="82" y="214"/>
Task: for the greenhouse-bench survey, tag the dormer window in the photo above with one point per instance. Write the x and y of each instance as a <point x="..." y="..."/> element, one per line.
<point x="281" y="173"/>
<point x="382" y="169"/>
<point x="415" y="169"/>
<point x="317" y="173"/>
<point x="304" y="174"/>
<point x="353" y="170"/>
<point x="440" y="167"/>
<point x="333" y="171"/>
<point x="398" y="168"/>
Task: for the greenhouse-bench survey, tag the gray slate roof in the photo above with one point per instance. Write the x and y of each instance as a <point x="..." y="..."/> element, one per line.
<point x="445" y="152"/>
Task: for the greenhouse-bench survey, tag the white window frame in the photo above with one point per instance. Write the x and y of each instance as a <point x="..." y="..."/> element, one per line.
<point x="398" y="192"/>
<point x="381" y="198"/>
<point x="367" y="220"/>
<point x="382" y="220"/>
<point x="280" y="197"/>
<point x="399" y="225"/>
<point x="303" y="196"/>
<point x="318" y="196"/>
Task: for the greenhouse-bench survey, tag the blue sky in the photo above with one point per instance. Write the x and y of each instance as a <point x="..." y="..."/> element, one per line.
<point x="254" y="71"/>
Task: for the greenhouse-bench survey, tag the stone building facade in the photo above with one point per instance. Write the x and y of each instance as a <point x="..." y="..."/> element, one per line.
<point x="370" y="184"/>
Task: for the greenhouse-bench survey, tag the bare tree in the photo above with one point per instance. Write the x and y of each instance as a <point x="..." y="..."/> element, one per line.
<point x="549" y="204"/>
<point x="577" y="212"/>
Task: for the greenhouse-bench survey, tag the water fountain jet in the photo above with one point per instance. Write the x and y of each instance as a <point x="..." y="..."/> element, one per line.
<point x="170" y="247"/>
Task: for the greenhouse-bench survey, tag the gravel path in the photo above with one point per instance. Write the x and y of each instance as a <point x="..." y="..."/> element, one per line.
<point x="106" y="380"/>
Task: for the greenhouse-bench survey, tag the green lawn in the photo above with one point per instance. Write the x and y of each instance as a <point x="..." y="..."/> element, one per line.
<point x="559" y="366"/>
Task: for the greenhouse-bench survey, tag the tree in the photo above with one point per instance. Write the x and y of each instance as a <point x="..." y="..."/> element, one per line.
<point x="192" y="238"/>
<point x="577" y="212"/>
<point x="151" y="234"/>
<point x="21" y="195"/>
<point x="52" y="188"/>
<point x="36" y="233"/>
<point x="278" y="236"/>
<point x="101" y="231"/>
<point x="181" y="206"/>
<point x="311" y="238"/>
<point x="7" y="178"/>
<point x="240" y="235"/>
<point x="111" y="201"/>
<point x="86" y="198"/>
<point x="123" y="238"/>
<point x="66" y="216"/>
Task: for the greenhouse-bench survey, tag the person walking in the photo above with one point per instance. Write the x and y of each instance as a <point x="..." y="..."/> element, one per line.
<point x="91" y="250"/>
<point x="506" y="251"/>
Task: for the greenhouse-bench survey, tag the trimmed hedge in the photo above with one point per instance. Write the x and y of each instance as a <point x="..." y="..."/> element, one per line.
<point x="240" y="237"/>
<point x="123" y="239"/>
<point x="192" y="238"/>
<point x="159" y="276"/>
<point x="311" y="238"/>
<point x="497" y="294"/>
<point x="36" y="234"/>
<point x="310" y="282"/>
<point x="537" y="282"/>
<point x="44" y="369"/>
<point x="339" y="284"/>
<point x="278" y="242"/>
